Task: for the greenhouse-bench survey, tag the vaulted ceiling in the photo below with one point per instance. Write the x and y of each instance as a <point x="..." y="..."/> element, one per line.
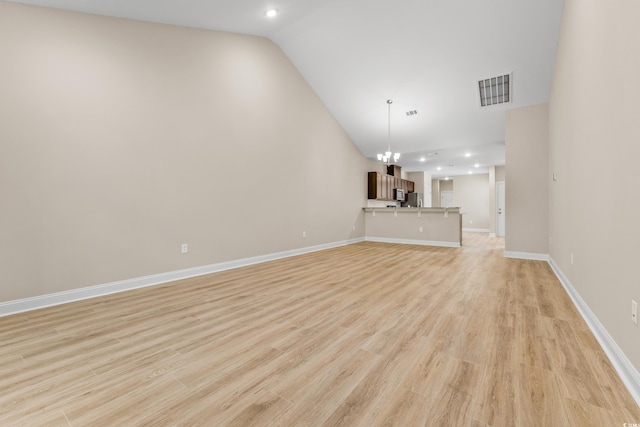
<point x="425" y="55"/>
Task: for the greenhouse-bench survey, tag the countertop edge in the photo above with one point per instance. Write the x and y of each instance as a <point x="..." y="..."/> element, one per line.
<point x="426" y="210"/>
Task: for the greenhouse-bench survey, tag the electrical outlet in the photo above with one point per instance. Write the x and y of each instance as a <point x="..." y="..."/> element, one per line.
<point x="304" y="234"/>
<point x="634" y="312"/>
<point x="420" y="229"/>
<point x="184" y="248"/>
<point x="353" y="228"/>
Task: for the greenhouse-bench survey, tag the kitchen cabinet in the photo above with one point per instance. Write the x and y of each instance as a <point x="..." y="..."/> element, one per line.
<point x="394" y="170"/>
<point x="381" y="186"/>
<point x="377" y="186"/>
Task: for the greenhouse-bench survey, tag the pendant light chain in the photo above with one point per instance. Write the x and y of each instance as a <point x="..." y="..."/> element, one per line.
<point x="387" y="157"/>
<point x="389" y="102"/>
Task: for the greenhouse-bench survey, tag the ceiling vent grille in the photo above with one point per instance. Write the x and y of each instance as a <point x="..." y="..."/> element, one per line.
<point x="496" y="90"/>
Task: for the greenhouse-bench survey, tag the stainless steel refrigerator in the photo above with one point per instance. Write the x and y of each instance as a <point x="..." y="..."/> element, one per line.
<point x="414" y="200"/>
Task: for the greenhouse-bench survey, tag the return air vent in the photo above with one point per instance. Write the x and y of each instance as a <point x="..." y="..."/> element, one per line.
<point x="496" y="90"/>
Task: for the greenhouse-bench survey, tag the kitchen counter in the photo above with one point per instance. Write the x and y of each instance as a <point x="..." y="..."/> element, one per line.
<point x="412" y="209"/>
<point x="417" y="226"/>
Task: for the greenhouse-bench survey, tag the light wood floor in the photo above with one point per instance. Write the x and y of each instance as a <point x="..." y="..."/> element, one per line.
<point x="366" y="335"/>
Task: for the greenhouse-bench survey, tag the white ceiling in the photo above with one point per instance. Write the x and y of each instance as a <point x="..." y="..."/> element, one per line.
<point x="426" y="55"/>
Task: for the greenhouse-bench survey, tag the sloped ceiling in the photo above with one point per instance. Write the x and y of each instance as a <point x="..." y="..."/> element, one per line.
<point x="425" y="55"/>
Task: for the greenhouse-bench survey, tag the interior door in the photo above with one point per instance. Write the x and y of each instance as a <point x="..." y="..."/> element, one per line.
<point x="500" y="209"/>
<point x="446" y="199"/>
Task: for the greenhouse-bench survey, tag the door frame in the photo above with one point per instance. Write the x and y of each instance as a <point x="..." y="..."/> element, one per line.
<point x="500" y="232"/>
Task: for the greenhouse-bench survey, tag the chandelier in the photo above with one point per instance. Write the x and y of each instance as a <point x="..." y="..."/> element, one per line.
<point x="387" y="156"/>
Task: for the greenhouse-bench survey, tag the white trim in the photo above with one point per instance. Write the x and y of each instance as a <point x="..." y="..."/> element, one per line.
<point x="34" y="303"/>
<point x="526" y="255"/>
<point x="497" y="207"/>
<point x="492" y="234"/>
<point x="476" y="230"/>
<point x="413" y="242"/>
<point x="627" y="372"/>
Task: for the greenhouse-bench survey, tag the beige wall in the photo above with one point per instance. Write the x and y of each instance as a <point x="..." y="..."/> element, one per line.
<point x="422" y="185"/>
<point x="418" y="179"/>
<point x="471" y="194"/>
<point x="427" y="196"/>
<point x="121" y="140"/>
<point x="426" y="190"/>
<point x="526" y="204"/>
<point x="446" y="185"/>
<point x="435" y="193"/>
<point x="594" y="131"/>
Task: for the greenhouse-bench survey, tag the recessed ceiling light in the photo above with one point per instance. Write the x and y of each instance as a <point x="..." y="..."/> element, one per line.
<point x="439" y="168"/>
<point x="467" y="154"/>
<point x="446" y="178"/>
<point x="477" y="165"/>
<point x="422" y="159"/>
<point x="470" y="172"/>
<point x="271" y="13"/>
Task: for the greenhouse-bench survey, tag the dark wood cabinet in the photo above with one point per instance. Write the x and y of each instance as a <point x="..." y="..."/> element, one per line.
<point x="374" y="185"/>
<point x="381" y="186"/>
<point x="394" y="170"/>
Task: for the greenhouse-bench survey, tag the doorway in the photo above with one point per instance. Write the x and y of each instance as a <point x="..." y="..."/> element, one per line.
<point x="446" y="199"/>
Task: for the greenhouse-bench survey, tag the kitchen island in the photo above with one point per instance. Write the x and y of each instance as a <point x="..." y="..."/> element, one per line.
<point x="415" y="226"/>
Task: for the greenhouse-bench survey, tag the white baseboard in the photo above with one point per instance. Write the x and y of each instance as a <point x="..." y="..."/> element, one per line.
<point x="526" y="255"/>
<point x="475" y="230"/>
<point x="627" y="372"/>
<point x="492" y="234"/>
<point x="413" y="242"/>
<point x="34" y="303"/>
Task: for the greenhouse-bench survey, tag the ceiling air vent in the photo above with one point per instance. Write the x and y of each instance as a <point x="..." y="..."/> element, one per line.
<point x="496" y="90"/>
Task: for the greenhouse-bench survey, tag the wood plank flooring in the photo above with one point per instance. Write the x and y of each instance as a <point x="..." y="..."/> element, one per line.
<point x="365" y="335"/>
